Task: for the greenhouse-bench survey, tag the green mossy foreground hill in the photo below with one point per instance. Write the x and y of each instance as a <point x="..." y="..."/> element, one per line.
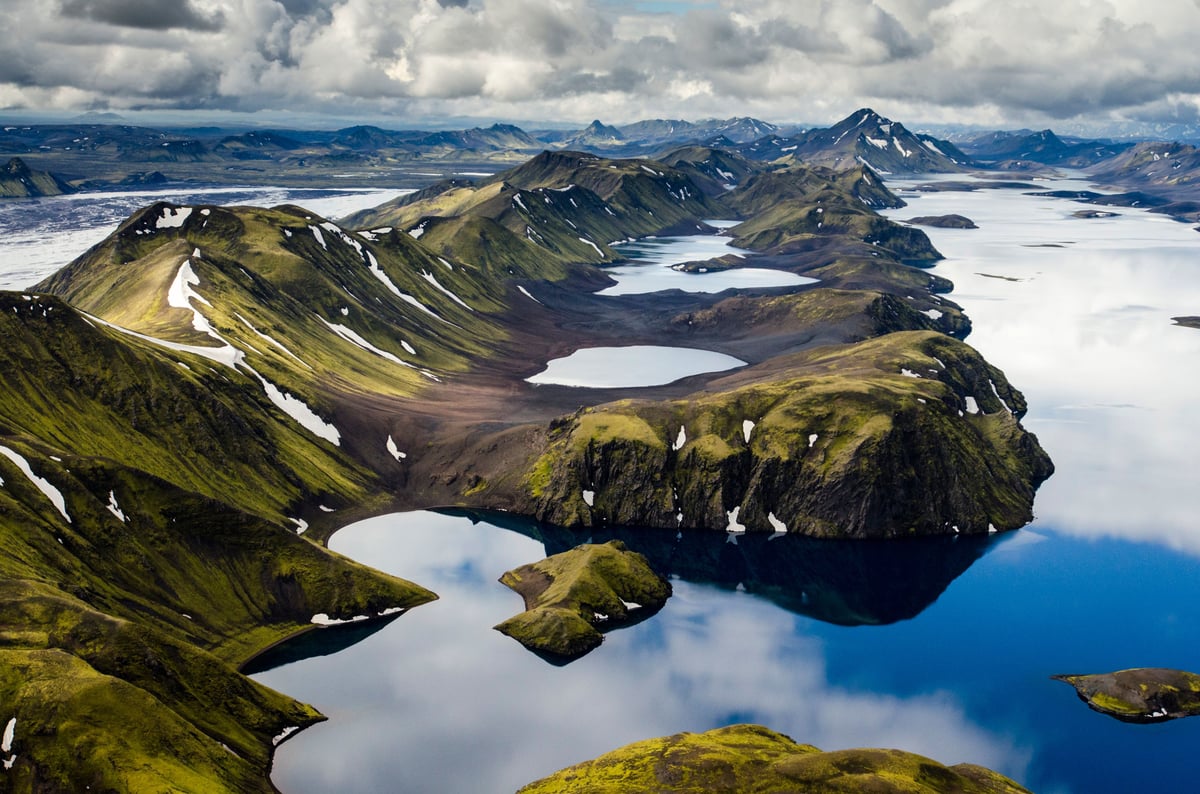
<point x="146" y="558"/>
<point x="751" y="759"/>
<point x="570" y="596"/>
<point x="1142" y="694"/>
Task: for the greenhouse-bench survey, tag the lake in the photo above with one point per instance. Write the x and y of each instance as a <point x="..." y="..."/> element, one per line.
<point x="651" y="260"/>
<point x="942" y="647"/>
<point x="634" y="365"/>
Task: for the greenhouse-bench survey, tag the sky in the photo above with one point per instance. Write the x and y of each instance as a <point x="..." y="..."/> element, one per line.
<point x="982" y="62"/>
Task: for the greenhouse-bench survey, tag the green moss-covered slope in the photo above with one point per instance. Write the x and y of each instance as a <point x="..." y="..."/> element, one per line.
<point x="571" y="596"/>
<point x="566" y="206"/>
<point x="145" y="497"/>
<point x="751" y="758"/>
<point x="18" y="180"/>
<point x="1142" y="694"/>
<point x="909" y="433"/>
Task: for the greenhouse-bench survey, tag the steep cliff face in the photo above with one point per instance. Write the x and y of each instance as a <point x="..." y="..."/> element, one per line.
<point x="912" y="433"/>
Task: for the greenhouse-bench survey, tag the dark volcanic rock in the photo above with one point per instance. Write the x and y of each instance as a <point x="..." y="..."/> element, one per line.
<point x="1190" y="322"/>
<point x="1143" y="694"/>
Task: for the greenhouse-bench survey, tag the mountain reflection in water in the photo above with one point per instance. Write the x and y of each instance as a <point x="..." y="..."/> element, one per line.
<point x="845" y="582"/>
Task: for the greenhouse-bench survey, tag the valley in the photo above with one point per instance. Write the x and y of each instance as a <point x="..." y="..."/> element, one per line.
<point x="233" y="384"/>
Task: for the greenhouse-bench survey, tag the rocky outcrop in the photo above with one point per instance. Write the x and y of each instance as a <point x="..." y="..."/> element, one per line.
<point x="909" y="434"/>
<point x="570" y="598"/>
<point x="944" y="221"/>
<point x="18" y="180"/>
<point x="1143" y="694"/>
<point x="754" y="758"/>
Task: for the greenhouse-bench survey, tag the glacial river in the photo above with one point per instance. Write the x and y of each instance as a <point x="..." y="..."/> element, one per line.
<point x="942" y="647"/>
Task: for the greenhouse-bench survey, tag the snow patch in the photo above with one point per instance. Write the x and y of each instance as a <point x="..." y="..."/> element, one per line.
<point x="972" y="405"/>
<point x="437" y="285"/>
<point x="525" y="292"/>
<point x="680" y="439"/>
<point x="301" y="525"/>
<point x="394" y="450"/>
<point x="179" y="296"/>
<point x="299" y="411"/>
<point x="53" y="494"/>
<point x="933" y="314"/>
<point x="998" y="397"/>
<point x="777" y="525"/>
<point x="734" y="528"/>
<point x="115" y="508"/>
<point x="352" y="336"/>
<point x="320" y="237"/>
<point x="747" y="429"/>
<point x="908" y="373"/>
<point x="812" y="439"/>
<point x="589" y="498"/>
<point x="172" y="218"/>
<point x="593" y="245"/>
<point x="288" y="731"/>
<point x="270" y="340"/>
<point x="10" y="731"/>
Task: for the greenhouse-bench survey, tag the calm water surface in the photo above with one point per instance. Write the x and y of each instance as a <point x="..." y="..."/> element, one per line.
<point x="942" y="647"/>
<point x="40" y="236"/>
<point x="649" y="268"/>
<point x="634" y="365"/>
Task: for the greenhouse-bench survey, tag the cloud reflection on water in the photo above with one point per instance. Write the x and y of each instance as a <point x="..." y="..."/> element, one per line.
<point x="1086" y="334"/>
<point x="441" y="702"/>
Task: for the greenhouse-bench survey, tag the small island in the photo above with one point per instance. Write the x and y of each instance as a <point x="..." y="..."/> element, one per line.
<point x="571" y="596"/>
<point x="944" y="221"/>
<point x="1143" y="694"/>
<point x="754" y="758"/>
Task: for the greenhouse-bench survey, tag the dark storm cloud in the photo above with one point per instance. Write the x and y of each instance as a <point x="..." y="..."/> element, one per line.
<point x="147" y="14"/>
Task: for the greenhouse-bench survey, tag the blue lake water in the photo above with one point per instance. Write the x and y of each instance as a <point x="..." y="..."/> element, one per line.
<point x="942" y="647"/>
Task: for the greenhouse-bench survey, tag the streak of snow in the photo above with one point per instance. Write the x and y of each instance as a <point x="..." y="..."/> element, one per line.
<point x="908" y="373"/>
<point x="430" y="278"/>
<point x="680" y="439"/>
<point x="320" y="237"/>
<point x="288" y="731"/>
<point x="352" y="336"/>
<point x="53" y="494"/>
<point x="394" y="450"/>
<point x="593" y="245"/>
<point x="115" y="508"/>
<point x="298" y="410"/>
<point x="525" y="292"/>
<point x="998" y="397"/>
<point x="301" y="525"/>
<point x="269" y="339"/>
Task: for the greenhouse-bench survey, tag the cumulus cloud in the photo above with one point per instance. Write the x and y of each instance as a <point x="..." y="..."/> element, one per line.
<point x="155" y="15"/>
<point x="940" y="60"/>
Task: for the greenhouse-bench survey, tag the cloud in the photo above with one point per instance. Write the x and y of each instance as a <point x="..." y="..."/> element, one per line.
<point x="806" y="60"/>
<point x="157" y="15"/>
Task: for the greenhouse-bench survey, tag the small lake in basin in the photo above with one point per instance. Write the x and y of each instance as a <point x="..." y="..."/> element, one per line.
<point x="649" y="268"/>
<point x="635" y="365"/>
<point x="943" y="647"/>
